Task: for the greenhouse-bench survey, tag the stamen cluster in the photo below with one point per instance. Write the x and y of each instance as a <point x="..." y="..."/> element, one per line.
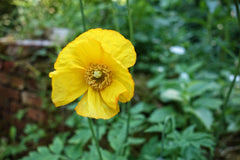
<point x="98" y="76"/>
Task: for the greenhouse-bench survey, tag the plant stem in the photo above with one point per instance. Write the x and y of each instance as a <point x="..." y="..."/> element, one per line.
<point x="90" y="120"/>
<point x="238" y="14"/>
<point x="83" y="17"/>
<point x="223" y="122"/>
<point x="115" y="17"/>
<point x="130" y="25"/>
<point x="94" y="138"/>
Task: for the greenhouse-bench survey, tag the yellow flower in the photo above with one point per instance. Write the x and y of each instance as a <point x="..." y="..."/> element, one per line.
<point x="94" y="65"/>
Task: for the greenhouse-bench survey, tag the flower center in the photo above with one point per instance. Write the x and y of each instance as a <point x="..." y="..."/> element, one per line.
<point x="98" y="76"/>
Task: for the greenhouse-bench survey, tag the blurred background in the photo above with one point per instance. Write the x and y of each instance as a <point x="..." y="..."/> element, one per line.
<point x="187" y="54"/>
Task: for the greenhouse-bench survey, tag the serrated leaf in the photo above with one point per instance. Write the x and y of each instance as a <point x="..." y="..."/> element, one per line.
<point x="73" y="151"/>
<point x="57" y="145"/>
<point x="181" y="141"/>
<point x="43" y="153"/>
<point x="106" y="155"/>
<point x="82" y="136"/>
<point x="116" y="137"/>
<point x="150" y="150"/>
<point x="73" y="120"/>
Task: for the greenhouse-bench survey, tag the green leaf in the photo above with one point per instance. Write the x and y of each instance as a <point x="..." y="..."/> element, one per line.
<point x="106" y="155"/>
<point x="142" y="107"/>
<point x="116" y="137"/>
<point x="155" y="128"/>
<point x="73" y="151"/>
<point x="194" y="67"/>
<point x="42" y="153"/>
<point x="197" y="88"/>
<point x="57" y="145"/>
<point x="181" y="142"/>
<point x="13" y="133"/>
<point x="204" y="115"/>
<point x="136" y="122"/>
<point x="43" y="149"/>
<point x="151" y="149"/>
<point x="160" y="114"/>
<point x="206" y="102"/>
<point x="155" y="81"/>
<point x="135" y="141"/>
<point x="171" y="95"/>
<point x="81" y="136"/>
<point x="20" y="114"/>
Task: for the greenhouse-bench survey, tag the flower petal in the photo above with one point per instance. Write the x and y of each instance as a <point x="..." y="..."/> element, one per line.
<point x="122" y="75"/>
<point x="113" y="43"/>
<point x="67" y="85"/>
<point x="92" y="105"/>
<point x="78" y="54"/>
<point x="111" y="94"/>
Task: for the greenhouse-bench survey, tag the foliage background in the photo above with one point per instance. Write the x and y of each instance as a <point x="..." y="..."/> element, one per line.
<point x="187" y="55"/>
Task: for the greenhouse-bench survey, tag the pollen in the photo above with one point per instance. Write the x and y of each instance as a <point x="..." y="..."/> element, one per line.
<point x="98" y="76"/>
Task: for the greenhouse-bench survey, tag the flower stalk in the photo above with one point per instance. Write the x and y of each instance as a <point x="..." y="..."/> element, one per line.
<point x="94" y="138"/>
<point x="89" y="120"/>
<point x="115" y="17"/>
<point x="223" y="121"/>
<point x="83" y="16"/>
<point x="130" y="25"/>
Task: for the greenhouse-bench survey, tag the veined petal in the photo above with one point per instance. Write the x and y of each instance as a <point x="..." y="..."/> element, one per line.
<point x="67" y="85"/>
<point x="113" y="43"/>
<point x="111" y="94"/>
<point x="127" y="81"/>
<point x="78" y="54"/>
<point x="92" y="105"/>
<point x="122" y="75"/>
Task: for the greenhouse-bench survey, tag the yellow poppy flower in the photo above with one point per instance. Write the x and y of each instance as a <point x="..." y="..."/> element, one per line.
<point x="94" y="65"/>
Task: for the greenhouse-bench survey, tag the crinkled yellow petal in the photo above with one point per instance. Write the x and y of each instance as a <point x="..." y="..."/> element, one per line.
<point x="122" y="75"/>
<point x="113" y="43"/>
<point x="128" y="83"/>
<point x="111" y="94"/>
<point x="67" y="85"/>
<point x="79" y="53"/>
<point x="92" y="105"/>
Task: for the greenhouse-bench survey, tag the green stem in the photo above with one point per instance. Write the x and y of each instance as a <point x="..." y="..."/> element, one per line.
<point x="83" y="17"/>
<point x="130" y="25"/>
<point x="90" y="120"/>
<point x="238" y="14"/>
<point x="115" y="17"/>
<point x="223" y="122"/>
<point x="94" y="138"/>
<point x="128" y="120"/>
